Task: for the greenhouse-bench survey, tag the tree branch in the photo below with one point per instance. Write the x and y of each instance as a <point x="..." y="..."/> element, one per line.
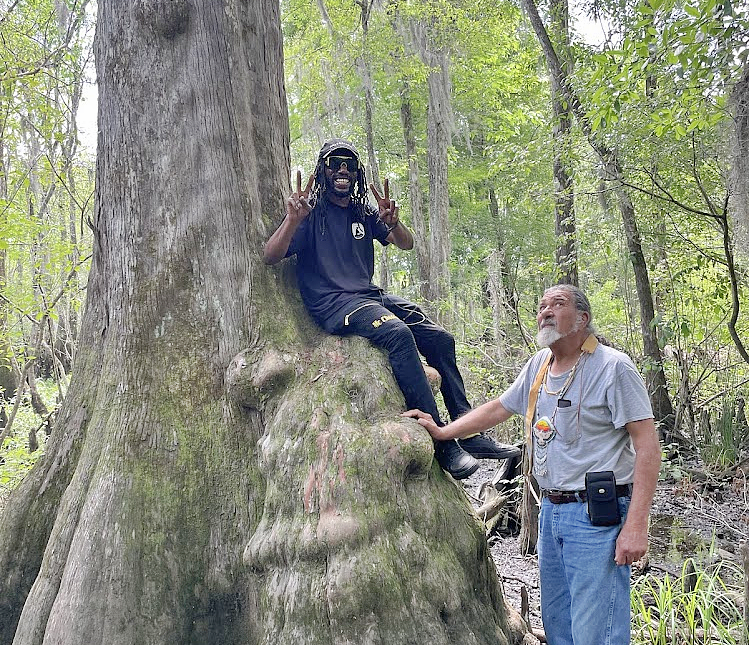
<point x="9" y="11"/>
<point x="668" y="198"/>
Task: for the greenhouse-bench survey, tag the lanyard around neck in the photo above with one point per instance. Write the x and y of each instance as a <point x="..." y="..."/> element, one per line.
<point x="588" y="347"/>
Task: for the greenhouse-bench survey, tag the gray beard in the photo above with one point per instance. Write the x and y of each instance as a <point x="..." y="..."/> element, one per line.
<point x="548" y="336"/>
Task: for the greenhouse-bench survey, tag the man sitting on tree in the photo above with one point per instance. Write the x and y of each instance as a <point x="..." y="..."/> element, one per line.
<point x="331" y="228"/>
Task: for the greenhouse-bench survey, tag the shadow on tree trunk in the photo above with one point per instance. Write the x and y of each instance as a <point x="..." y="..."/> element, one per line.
<point x="220" y="472"/>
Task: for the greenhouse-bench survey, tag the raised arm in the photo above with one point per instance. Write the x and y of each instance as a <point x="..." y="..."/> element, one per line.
<point x="399" y="234"/>
<point x="477" y="420"/>
<point x="297" y="208"/>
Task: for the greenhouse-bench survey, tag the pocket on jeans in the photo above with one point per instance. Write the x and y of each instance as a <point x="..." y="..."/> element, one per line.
<point x="624" y="507"/>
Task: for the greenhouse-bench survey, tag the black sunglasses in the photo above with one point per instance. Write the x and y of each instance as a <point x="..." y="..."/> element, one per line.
<point x="334" y="162"/>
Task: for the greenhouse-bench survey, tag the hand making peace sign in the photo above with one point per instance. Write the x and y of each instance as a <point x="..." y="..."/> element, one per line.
<point x="387" y="206"/>
<point x="297" y="205"/>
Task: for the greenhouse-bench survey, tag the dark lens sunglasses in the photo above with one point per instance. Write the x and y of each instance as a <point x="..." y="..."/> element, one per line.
<point x="335" y="162"/>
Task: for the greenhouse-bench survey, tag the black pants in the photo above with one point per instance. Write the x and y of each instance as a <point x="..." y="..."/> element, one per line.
<point x="403" y="330"/>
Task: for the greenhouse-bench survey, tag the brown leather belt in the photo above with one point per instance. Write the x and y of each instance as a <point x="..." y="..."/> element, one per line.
<point x="567" y="496"/>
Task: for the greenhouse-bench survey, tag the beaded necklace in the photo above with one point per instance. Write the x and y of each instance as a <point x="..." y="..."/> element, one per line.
<point x="570" y="377"/>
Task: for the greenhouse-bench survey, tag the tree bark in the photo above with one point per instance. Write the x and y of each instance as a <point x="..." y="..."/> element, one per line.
<point x="740" y="172"/>
<point x="416" y="198"/>
<point x="501" y="296"/>
<point x="438" y="140"/>
<point x="130" y="530"/>
<point x="220" y="472"/>
<point x="8" y="384"/>
<point x="439" y="125"/>
<point x="373" y="166"/>
<point x="654" y="374"/>
<point x="564" y="189"/>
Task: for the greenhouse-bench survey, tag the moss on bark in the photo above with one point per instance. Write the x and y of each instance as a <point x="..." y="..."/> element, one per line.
<point x="220" y="472"/>
<point x="363" y="538"/>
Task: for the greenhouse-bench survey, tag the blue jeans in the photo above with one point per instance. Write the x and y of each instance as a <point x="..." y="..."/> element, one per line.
<point x="584" y="593"/>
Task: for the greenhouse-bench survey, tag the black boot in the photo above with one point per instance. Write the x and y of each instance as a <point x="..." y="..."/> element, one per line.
<point x="482" y="446"/>
<point x="456" y="461"/>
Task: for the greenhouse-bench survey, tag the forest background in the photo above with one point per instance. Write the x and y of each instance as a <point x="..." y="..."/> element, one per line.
<point x="522" y="153"/>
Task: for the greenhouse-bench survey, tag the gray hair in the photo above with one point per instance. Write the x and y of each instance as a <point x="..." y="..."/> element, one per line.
<point x="582" y="304"/>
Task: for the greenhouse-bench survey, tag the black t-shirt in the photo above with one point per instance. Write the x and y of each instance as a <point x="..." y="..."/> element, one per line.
<point x="335" y="259"/>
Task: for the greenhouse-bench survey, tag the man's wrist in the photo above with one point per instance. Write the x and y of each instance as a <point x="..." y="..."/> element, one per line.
<point x="393" y="227"/>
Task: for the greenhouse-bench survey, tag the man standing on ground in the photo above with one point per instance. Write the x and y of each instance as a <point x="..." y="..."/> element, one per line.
<point x="587" y="410"/>
<point x="331" y="229"/>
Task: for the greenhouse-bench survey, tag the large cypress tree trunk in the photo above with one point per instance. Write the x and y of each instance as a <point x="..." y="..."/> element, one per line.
<point x="216" y="474"/>
<point x="131" y="529"/>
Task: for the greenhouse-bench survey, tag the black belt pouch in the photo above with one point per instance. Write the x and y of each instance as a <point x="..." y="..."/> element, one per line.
<point x="603" y="506"/>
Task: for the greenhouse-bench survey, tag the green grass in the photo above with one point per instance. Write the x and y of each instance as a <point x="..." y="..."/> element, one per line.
<point x="721" y="447"/>
<point x="666" y="612"/>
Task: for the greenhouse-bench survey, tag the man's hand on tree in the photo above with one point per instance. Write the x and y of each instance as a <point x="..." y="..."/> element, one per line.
<point x="297" y="205"/>
<point x="387" y="207"/>
<point x="426" y="421"/>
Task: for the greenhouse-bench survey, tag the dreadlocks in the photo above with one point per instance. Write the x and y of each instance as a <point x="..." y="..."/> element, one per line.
<point x="320" y="186"/>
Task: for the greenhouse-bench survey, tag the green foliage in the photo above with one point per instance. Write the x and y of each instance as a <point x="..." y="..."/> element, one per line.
<point x="16" y="461"/>
<point x="670" y="469"/>
<point x="15" y="458"/>
<point x="721" y="445"/>
<point x="699" y="607"/>
<point x="46" y="180"/>
<point x="689" y="50"/>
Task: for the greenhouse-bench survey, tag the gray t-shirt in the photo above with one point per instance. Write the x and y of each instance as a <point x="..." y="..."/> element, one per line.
<point x="590" y="431"/>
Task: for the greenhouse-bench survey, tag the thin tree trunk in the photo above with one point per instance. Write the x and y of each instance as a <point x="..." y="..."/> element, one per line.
<point x="740" y="173"/>
<point x="416" y="198"/>
<point x="438" y="140"/>
<point x="564" y="190"/>
<point x="501" y="294"/>
<point x="8" y="384"/>
<point x="68" y="326"/>
<point x="497" y="303"/>
<point x="37" y="403"/>
<point x="654" y="375"/>
<point x="373" y="166"/>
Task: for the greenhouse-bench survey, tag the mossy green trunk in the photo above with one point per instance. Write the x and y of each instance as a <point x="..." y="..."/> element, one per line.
<point x="363" y="538"/>
<point x="220" y="472"/>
